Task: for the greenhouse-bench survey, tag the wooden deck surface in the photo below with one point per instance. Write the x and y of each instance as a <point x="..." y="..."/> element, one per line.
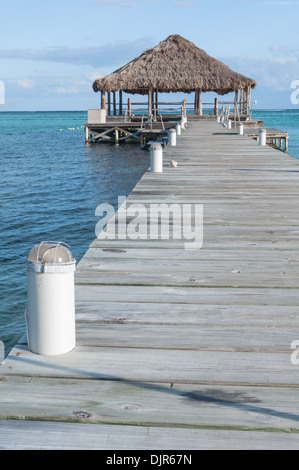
<point x="179" y="349"/>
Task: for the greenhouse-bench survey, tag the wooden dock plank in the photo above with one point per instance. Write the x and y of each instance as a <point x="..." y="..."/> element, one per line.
<point x="184" y="346"/>
<point x="68" y="436"/>
<point x="152" y="404"/>
<point x="150" y="365"/>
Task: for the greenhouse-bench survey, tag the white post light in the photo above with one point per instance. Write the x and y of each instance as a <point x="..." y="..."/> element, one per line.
<point x="172" y="137"/>
<point x="262" y="136"/>
<point x="156" y="158"/>
<point x="50" y="315"/>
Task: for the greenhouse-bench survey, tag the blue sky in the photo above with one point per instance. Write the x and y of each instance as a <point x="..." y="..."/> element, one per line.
<point x="50" y="52"/>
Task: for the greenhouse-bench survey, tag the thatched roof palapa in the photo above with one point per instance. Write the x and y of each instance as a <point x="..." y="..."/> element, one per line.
<point x="174" y="65"/>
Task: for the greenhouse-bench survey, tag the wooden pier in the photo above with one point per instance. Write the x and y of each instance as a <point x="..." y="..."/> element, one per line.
<point x="179" y="349"/>
<point x="275" y="137"/>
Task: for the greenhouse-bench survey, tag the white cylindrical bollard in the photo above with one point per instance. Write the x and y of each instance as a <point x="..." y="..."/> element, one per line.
<point x="178" y="129"/>
<point x="240" y="129"/>
<point x="229" y="124"/>
<point x="218" y="118"/>
<point x="50" y="315"/>
<point x="172" y="137"/>
<point x="262" y="136"/>
<point x="156" y="157"/>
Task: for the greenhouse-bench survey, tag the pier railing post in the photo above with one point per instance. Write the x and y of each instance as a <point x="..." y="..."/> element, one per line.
<point x="156" y="158"/>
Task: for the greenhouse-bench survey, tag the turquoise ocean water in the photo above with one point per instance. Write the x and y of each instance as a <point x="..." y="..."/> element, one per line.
<point x="51" y="184"/>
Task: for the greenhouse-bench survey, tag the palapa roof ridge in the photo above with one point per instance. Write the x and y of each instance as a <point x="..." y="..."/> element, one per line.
<point x="174" y="65"/>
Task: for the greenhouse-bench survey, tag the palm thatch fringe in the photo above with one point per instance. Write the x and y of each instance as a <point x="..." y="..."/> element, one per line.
<point x="174" y="65"/>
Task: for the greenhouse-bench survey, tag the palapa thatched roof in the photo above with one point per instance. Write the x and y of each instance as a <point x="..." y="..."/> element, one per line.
<point x="174" y="65"/>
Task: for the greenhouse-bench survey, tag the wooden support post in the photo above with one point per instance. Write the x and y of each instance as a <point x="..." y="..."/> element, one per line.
<point x="216" y="107"/>
<point x="114" y="103"/>
<point x="109" y="104"/>
<point x="236" y="105"/>
<point x="150" y="101"/>
<point x="103" y="100"/>
<point x="120" y="102"/>
<point x="200" y="102"/>
<point x="248" y="99"/>
<point x="86" y="134"/>
<point x="245" y="101"/>
<point x="184" y="108"/>
<point x="241" y="100"/>
<point x="153" y="101"/>
<point x="196" y="102"/>
<point x="156" y="102"/>
<point x="129" y="107"/>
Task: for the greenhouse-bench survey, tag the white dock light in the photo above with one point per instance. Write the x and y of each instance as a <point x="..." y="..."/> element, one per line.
<point x="241" y="129"/>
<point x="50" y="315"/>
<point x="172" y="137"/>
<point x="262" y="136"/>
<point x="156" y="158"/>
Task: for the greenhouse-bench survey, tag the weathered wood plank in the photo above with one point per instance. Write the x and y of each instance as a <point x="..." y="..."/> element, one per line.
<point x="188" y="295"/>
<point x="182" y="313"/>
<point x="150" y="404"/>
<point x="28" y="435"/>
<point x="158" y="365"/>
<point x="201" y="337"/>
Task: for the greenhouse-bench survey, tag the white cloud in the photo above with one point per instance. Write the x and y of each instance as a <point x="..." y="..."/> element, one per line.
<point x="112" y="54"/>
<point x="62" y="90"/>
<point x="26" y="83"/>
<point x="273" y="73"/>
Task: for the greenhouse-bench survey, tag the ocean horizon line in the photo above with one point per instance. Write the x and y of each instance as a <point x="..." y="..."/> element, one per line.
<point x="85" y="110"/>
